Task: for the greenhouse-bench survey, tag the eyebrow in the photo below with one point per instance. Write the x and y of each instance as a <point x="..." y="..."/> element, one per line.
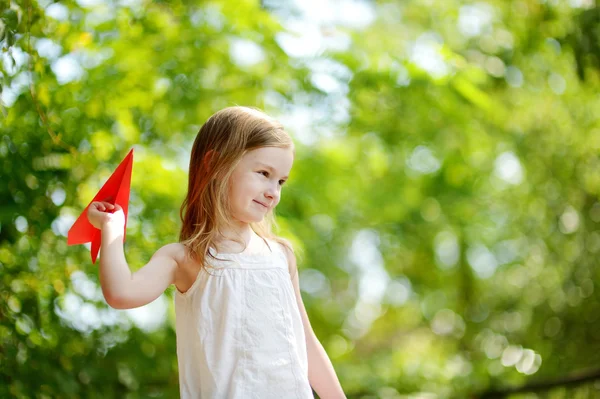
<point x="270" y="168"/>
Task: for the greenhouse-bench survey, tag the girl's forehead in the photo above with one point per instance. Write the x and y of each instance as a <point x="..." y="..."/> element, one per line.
<point x="270" y="153"/>
<point x="280" y="159"/>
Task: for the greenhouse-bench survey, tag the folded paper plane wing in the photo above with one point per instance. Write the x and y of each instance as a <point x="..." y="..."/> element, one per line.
<point x="115" y="191"/>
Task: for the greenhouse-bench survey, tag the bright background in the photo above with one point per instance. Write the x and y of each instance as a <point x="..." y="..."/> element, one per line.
<point x="444" y="197"/>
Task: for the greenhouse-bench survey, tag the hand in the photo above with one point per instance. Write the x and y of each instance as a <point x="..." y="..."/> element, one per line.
<point x="101" y="213"/>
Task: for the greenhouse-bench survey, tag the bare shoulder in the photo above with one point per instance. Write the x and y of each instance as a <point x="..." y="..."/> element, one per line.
<point x="287" y="251"/>
<point x="175" y="251"/>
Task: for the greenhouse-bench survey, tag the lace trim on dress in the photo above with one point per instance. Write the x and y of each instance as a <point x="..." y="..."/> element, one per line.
<point x="248" y="261"/>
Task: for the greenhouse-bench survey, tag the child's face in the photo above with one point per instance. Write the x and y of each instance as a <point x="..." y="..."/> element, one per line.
<point x="253" y="182"/>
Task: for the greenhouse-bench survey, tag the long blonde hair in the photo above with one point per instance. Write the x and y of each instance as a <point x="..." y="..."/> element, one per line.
<point x="219" y="146"/>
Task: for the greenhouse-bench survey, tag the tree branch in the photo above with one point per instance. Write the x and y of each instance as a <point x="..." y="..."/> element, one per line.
<point x="574" y="379"/>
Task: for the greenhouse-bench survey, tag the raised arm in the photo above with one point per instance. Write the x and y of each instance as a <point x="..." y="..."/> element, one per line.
<point x="121" y="288"/>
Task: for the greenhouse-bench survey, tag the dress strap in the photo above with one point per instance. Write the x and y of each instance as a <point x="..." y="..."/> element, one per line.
<point x="268" y="242"/>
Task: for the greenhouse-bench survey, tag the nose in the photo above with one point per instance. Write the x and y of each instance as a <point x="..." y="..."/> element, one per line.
<point x="272" y="193"/>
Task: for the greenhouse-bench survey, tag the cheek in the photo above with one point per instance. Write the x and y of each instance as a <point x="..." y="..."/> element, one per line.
<point x="244" y="188"/>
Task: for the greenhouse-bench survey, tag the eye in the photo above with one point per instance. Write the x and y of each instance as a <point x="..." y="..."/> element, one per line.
<point x="266" y="174"/>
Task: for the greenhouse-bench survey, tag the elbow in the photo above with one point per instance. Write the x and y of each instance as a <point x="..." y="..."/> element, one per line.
<point x="115" y="300"/>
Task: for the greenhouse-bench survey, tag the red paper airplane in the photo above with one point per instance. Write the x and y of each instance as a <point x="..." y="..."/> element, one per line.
<point x="115" y="191"/>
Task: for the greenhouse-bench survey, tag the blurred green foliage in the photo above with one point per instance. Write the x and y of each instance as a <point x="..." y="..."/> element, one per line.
<point x="444" y="195"/>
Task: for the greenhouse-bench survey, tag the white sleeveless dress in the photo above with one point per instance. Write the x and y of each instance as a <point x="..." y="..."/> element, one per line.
<point x="239" y="331"/>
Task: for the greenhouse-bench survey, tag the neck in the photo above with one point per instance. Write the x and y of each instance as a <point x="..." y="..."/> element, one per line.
<point x="227" y="240"/>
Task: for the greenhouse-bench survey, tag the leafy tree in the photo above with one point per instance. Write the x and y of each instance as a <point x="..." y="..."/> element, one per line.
<point x="445" y="194"/>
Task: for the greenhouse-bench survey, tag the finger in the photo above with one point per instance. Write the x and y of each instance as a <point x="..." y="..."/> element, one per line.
<point x="106" y="205"/>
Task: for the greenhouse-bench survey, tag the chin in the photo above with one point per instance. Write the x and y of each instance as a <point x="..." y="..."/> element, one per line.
<point x="252" y="218"/>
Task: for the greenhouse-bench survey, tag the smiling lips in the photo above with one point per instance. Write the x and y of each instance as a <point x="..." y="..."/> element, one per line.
<point x="260" y="203"/>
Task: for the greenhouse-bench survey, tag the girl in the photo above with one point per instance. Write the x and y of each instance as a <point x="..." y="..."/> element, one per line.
<point x="242" y="329"/>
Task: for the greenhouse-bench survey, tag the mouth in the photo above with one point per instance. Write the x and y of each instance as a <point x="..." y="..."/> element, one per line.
<point x="260" y="203"/>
